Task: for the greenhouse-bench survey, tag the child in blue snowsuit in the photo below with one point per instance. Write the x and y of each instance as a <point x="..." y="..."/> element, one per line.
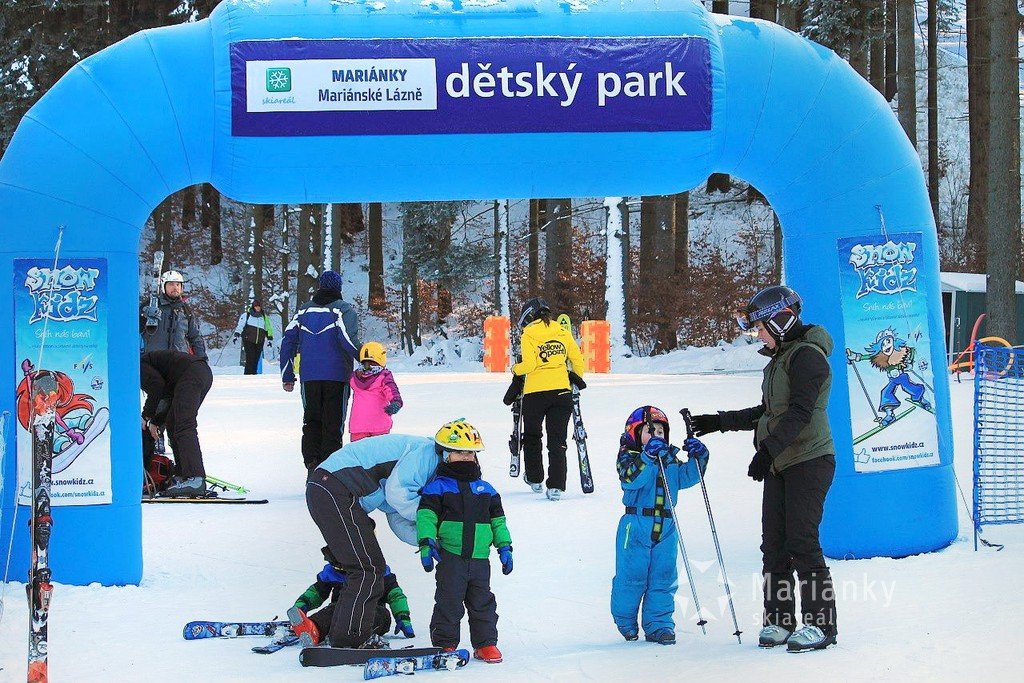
<point x="645" y="543"/>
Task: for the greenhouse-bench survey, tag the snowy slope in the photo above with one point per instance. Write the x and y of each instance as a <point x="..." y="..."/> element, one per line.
<point x="945" y="616"/>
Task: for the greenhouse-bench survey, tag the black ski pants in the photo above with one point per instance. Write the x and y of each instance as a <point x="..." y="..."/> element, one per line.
<point x="323" y="618"/>
<point x="791" y="511"/>
<point x="253" y="351"/>
<point x="349" y="533"/>
<point x="463" y="585"/>
<point x="324" y="404"/>
<point x="182" y="419"/>
<point x="552" y="409"/>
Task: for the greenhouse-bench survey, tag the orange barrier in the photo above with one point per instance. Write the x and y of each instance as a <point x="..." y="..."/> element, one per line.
<point x="597" y="347"/>
<point x="496" y="345"/>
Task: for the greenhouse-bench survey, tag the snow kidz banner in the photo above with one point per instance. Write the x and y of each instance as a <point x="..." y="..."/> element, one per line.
<point x="889" y="375"/>
<point x="67" y="307"/>
<point x="469" y="85"/>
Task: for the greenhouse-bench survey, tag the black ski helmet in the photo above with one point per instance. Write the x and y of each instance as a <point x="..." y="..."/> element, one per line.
<point x="532" y="309"/>
<point x="777" y="307"/>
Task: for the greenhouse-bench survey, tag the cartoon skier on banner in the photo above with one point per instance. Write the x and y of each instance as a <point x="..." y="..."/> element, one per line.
<point x="78" y="423"/>
<point x="893" y="356"/>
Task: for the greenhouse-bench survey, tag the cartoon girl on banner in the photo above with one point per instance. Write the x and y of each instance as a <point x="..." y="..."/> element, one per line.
<point x="77" y="425"/>
<point x="893" y="356"/>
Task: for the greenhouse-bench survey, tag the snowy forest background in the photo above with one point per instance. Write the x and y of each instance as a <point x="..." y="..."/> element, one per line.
<point x="425" y="274"/>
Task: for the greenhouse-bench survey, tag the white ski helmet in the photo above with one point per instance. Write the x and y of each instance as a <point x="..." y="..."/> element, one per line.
<point x="171" y="276"/>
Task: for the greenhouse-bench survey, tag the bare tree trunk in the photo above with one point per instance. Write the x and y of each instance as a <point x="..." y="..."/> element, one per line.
<point x="657" y="266"/>
<point x="497" y="255"/>
<point x="776" y="248"/>
<point x="533" y="247"/>
<point x="310" y="249"/>
<point x="791" y="15"/>
<point x="764" y="9"/>
<point x="375" y="244"/>
<point x="979" y="42"/>
<point x="346" y="221"/>
<point x="188" y="209"/>
<point x="1004" y="172"/>
<point x="681" y="214"/>
<point x="264" y="222"/>
<point x="285" y="251"/>
<point x="933" y="108"/>
<point x="163" y="228"/>
<point x="627" y="272"/>
<point x="890" y="50"/>
<point x="558" y="255"/>
<point x="906" y="67"/>
<point x="210" y="217"/>
<point x="876" y="48"/>
<point x="720" y="6"/>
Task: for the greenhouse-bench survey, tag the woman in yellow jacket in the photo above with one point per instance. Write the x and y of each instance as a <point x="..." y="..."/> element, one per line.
<point x="547" y="397"/>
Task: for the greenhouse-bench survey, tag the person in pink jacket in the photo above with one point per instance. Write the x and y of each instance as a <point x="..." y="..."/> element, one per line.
<point x="375" y="396"/>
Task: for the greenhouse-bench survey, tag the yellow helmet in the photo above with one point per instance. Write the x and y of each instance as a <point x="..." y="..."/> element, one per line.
<point x="374" y="351"/>
<point x="459" y="435"/>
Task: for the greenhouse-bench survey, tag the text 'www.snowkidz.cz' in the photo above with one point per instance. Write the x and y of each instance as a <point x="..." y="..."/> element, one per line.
<point x="484" y="80"/>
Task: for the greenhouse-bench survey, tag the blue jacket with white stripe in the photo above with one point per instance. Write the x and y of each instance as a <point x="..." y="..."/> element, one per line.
<point x="324" y="332"/>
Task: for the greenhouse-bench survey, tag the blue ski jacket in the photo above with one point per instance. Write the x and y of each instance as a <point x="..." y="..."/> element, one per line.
<point x="324" y="333"/>
<point x="386" y="472"/>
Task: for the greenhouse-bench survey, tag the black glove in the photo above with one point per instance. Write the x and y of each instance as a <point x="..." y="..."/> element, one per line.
<point x="234" y="339"/>
<point x="577" y="381"/>
<point x="705" y="424"/>
<point x="515" y="388"/>
<point x="270" y="342"/>
<point x="761" y="465"/>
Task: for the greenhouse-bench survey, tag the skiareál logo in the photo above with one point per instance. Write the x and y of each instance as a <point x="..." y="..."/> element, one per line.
<point x="279" y="79"/>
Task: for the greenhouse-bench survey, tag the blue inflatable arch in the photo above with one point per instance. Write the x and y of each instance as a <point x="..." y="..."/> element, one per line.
<point x="163" y="110"/>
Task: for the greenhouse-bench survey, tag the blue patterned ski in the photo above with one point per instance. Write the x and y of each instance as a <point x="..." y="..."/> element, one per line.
<point x="277" y="644"/>
<point x="197" y="630"/>
<point x="379" y="667"/>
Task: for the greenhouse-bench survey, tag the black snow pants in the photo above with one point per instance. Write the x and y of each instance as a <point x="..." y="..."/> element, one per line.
<point x="182" y="423"/>
<point x="463" y="585"/>
<point x="349" y="533"/>
<point x="791" y="511"/>
<point x="252" y="351"/>
<point x="324" y="404"/>
<point x="553" y="409"/>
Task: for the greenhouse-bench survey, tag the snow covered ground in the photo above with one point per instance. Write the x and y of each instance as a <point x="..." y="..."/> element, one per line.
<point x="942" y="616"/>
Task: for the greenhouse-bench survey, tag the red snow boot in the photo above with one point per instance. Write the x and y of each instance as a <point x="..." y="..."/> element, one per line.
<point x="488" y="653"/>
<point x="303" y="627"/>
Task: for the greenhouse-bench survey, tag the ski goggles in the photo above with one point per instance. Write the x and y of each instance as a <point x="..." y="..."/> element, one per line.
<point x="747" y="320"/>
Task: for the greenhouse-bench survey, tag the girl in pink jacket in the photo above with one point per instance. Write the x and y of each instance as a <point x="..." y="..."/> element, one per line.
<point x="375" y="396"/>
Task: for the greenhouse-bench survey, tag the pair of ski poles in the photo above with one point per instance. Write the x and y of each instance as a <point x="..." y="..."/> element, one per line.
<point x="701" y="621"/>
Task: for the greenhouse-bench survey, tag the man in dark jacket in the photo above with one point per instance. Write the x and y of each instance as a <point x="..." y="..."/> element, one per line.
<point x="323" y="333"/>
<point x="795" y="457"/>
<point x="178" y="328"/>
<point x="176" y="384"/>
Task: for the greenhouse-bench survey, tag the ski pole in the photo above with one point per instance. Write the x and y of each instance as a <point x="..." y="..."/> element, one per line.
<point x="701" y="621"/>
<point x="864" y="389"/>
<point x="685" y="412"/>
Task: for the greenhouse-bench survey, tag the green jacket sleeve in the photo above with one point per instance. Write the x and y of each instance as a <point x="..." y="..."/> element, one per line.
<point x="499" y="528"/>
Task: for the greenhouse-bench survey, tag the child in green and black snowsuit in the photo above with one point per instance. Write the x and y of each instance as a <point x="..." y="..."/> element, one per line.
<point x="459" y="518"/>
<point x="329" y="583"/>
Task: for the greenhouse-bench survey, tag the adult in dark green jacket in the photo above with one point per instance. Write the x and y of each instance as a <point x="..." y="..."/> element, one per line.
<point x="795" y="458"/>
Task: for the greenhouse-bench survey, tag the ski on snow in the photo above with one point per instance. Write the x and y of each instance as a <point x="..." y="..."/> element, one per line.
<point x="339" y="656"/>
<point x="379" y="667"/>
<point x="579" y="432"/>
<point x="198" y="630"/>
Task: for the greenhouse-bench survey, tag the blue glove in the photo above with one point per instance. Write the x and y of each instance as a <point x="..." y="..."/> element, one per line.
<point x="656" y="448"/>
<point x="505" y="555"/>
<point x="695" y="448"/>
<point x="392" y="407"/>
<point x="429" y="554"/>
<point x="404" y="626"/>
<point x="331" y="574"/>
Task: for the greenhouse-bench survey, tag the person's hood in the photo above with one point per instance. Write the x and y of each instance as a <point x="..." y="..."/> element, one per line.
<point x="366" y="381"/>
<point x="326" y="296"/>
